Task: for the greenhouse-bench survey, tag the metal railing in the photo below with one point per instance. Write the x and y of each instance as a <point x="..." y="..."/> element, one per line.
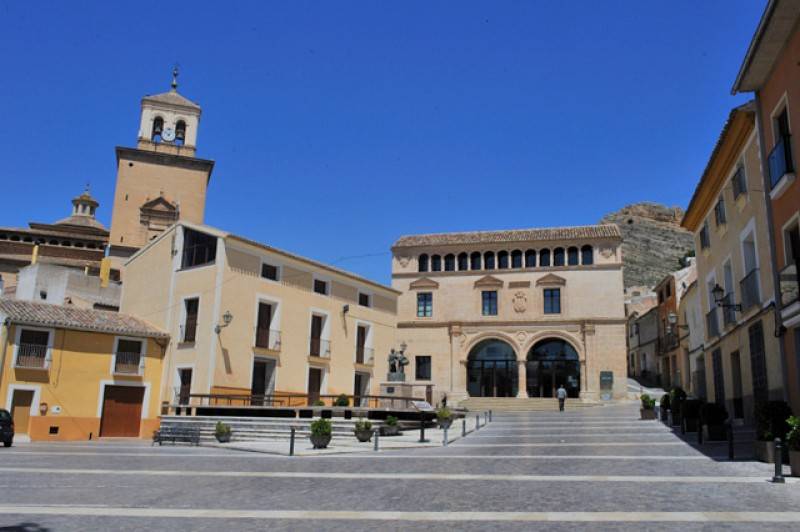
<point x="364" y="355"/>
<point x="728" y="312"/>
<point x="749" y="288"/>
<point x="780" y="161"/>
<point x="268" y="339"/>
<point x="300" y="400"/>
<point x="32" y="356"/>
<point x="790" y="284"/>
<point x="712" y="323"/>
<point x="317" y="347"/>
<point x="127" y="363"/>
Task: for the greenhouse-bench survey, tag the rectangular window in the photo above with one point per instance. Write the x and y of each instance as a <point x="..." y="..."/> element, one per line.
<point x="198" y="248"/>
<point x="128" y="357"/>
<point x="739" y="182"/>
<point x="423" y="368"/>
<point x="317" y="347"/>
<point x="363" y="299"/>
<point x="704" y="242"/>
<point x="32" y="349"/>
<point x="363" y="354"/>
<point x="552" y="301"/>
<point x="758" y="362"/>
<point x="321" y="287"/>
<point x="719" y="212"/>
<point x="191" y="306"/>
<point x="424" y="305"/>
<point x="489" y="303"/>
<point x="263" y="325"/>
<point x="268" y="271"/>
<point x="719" y="382"/>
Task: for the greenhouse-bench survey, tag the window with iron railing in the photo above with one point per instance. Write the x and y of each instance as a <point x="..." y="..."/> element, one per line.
<point x="780" y="160"/>
<point x="739" y="181"/>
<point x="128" y="359"/>
<point x="704" y="241"/>
<point x="32" y="350"/>
<point x="790" y="284"/>
<point x="719" y="212"/>
<point x="268" y="339"/>
<point x="749" y="287"/>
<point x="364" y="355"/>
<point x="728" y="312"/>
<point x="189" y="327"/>
<point x="319" y="347"/>
<point x="712" y="323"/>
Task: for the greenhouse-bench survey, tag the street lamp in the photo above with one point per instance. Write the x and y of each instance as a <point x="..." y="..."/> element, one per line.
<point x="719" y="298"/>
<point x="227" y="318"/>
<point x="403" y="347"/>
<point x="673" y="321"/>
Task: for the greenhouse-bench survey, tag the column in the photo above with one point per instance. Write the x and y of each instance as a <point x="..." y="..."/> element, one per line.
<point x="522" y="390"/>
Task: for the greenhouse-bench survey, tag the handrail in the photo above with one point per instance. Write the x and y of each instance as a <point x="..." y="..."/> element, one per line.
<point x="297" y="400"/>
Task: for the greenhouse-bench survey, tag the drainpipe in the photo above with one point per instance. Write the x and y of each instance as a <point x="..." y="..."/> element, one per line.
<point x="4" y="342"/>
<point x="776" y="286"/>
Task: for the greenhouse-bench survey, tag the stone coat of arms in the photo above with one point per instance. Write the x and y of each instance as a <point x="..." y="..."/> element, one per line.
<point x="520" y="302"/>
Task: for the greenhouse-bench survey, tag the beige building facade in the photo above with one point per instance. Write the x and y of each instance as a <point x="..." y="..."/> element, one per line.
<point x="514" y="313"/>
<point x="249" y="319"/>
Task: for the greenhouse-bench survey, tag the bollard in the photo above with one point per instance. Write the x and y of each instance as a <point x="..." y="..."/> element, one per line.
<point x="463" y="426"/>
<point x="444" y="444"/>
<point x="291" y="443"/>
<point x="485" y="418"/>
<point x="490" y="415"/>
<point x="699" y="432"/>
<point x="375" y="443"/>
<point x="730" y="441"/>
<point x="669" y="417"/>
<point x="422" y="431"/>
<point x="477" y="422"/>
<point x="778" y="478"/>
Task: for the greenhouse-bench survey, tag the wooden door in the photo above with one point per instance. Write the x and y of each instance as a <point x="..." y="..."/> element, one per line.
<point x="264" y="323"/>
<point x="122" y="411"/>
<point x="361" y="340"/>
<point x="316" y="334"/>
<point x="21" y="410"/>
<point x="314" y="384"/>
<point x="186" y="385"/>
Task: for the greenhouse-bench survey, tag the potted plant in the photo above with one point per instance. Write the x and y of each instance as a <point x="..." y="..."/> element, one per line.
<point x="771" y="423"/>
<point x="321" y="433"/>
<point x="318" y="402"/>
<point x="648" y="407"/>
<point x="363" y="430"/>
<point x="793" y="441"/>
<point x="714" y="416"/>
<point x="342" y="400"/>
<point x="445" y="417"/>
<point x="690" y="413"/>
<point x="664" y="406"/>
<point x="222" y="432"/>
<point x="390" y="427"/>
<point x="676" y="398"/>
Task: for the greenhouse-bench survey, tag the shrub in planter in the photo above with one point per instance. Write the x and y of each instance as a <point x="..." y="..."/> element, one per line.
<point x="390" y="427"/>
<point x="222" y="432"/>
<point x="714" y="416"/>
<point x="342" y="400"/>
<point x="690" y="410"/>
<point x="321" y="433"/>
<point x="445" y="417"/>
<point x="318" y="402"/>
<point x="771" y="422"/>
<point x="363" y="430"/>
<point x="664" y="406"/>
<point x="676" y="399"/>
<point x="648" y="407"/>
<point x="793" y="442"/>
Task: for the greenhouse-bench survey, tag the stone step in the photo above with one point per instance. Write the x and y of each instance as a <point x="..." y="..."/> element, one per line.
<point x="511" y="404"/>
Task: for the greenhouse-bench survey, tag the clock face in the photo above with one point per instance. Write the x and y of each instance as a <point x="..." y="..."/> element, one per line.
<point x="168" y="134"/>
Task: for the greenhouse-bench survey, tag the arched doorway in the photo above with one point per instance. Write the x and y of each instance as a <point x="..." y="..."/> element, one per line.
<point x="492" y="370"/>
<point x="551" y="363"/>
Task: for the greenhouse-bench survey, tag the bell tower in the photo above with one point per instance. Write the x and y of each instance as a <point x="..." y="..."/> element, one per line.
<point x="162" y="180"/>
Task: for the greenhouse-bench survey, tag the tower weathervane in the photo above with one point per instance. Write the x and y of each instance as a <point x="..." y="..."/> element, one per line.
<point x="175" y="78"/>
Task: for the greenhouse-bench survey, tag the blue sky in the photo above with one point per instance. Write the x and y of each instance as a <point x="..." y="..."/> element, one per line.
<point x="338" y="126"/>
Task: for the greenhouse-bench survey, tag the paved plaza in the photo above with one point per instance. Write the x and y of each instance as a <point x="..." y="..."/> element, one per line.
<point x="590" y="469"/>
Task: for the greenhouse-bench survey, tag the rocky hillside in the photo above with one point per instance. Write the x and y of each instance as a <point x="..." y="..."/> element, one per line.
<point x="654" y="241"/>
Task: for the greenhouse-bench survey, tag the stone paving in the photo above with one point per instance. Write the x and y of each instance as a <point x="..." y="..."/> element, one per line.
<point x="593" y="469"/>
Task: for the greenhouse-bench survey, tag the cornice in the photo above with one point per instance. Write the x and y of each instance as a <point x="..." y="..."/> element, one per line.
<point x="166" y="159"/>
<point x="498" y="272"/>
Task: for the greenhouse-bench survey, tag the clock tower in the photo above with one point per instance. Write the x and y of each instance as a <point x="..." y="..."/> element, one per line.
<point x="160" y="181"/>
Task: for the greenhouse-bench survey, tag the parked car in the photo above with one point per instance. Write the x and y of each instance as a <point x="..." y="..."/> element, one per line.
<point x="6" y="428"/>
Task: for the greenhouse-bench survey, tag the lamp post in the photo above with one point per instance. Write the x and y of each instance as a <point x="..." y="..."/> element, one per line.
<point x="227" y="318"/>
<point x="719" y="298"/>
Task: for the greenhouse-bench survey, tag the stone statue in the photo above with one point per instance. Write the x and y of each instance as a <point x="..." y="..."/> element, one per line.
<point x="397" y="362"/>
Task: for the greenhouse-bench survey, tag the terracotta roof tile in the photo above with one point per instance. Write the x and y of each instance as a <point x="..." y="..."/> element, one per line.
<point x="512" y="235"/>
<point x="43" y="314"/>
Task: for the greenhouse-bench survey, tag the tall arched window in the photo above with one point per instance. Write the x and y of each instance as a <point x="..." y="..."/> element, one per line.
<point x="572" y="256"/>
<point x="558" y="257"/>
<point x="587" y="255"/>
<point x="475" y="260"/>
<point x="436" y="263"/>
<point x="488" y="260"/>
<point x="463" y="262"/>
<point x="423" y="262"/>
<point x="449" y="262"/>
<point x="158" y="128"/>
<point x="502" y="260"/>
<point x="516" y="259"/>
<point x="180" y="133"/>
<point x="530" y="258"/>
<point x="544" y="257"/>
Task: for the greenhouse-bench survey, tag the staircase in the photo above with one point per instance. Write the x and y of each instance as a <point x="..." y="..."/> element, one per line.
<point x="514" y="404"/>
<point x="258" y="429"/>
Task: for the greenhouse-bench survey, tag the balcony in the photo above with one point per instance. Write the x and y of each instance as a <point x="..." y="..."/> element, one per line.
<point x="268" y="339"/>
<point x="32" y="356"/>
<point x="712" y="323"/>
<point x="319" y="347"/>
<point x="127" y="363"/>
<point x="780" y="161"/>
<point x="749" y="288"/>
<point x="790" y="285"/>
<point x="728" y="312"/>
<point x="189" y="330"/>
<point x="364" y="355"/>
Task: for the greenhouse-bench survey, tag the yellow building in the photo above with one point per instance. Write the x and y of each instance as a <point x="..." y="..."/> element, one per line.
<point x="76" y="374"/>
<point x="250" y="319"/>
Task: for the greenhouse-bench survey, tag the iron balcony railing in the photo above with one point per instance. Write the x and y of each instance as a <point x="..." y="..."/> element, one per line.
<point x="189" y="329"/>
<point x="32" y="356"/>
<point x="728" y="312"/>
<point x="268" y="339"/>
<point x="790" y="284"/>
<point x="364" y="355"/>
<point x="319" y="347"/>
<point x="712" y="323"/>
<point x="780" y="160"/>
<point x="128" y="363"/>
<point x="749" y="288"/>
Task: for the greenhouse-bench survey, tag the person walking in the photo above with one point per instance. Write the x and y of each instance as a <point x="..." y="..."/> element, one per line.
<point x="562" y="397"/>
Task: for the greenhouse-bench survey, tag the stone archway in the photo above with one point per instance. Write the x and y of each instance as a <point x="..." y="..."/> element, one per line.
<point x="492" y="369"/>
<point x="552" y="362"/>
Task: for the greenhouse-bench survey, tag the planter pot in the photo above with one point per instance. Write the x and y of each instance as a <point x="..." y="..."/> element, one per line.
<point x="390" y="430"/>
<point x="647" y="414"/>
<point x="716" y="433"/>
<point x="320" y="441"/>
<point x="794" y="461"/>
<point x="676" y="419"/>
<point x="223" y="438"/>
<point x="364" y="435"/>
<point x="765" y="452"/>
<point x="445" y="423"/>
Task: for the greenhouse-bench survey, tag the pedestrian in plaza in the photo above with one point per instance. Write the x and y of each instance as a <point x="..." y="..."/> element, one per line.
<point x="562" y="397"/>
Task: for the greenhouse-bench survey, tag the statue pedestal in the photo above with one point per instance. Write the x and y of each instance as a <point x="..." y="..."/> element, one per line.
<point x="395" y="389"/>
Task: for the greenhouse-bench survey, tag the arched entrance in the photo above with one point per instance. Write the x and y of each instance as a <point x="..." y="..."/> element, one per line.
<point x="492" y="370"/>
<point x="551" y="363"/>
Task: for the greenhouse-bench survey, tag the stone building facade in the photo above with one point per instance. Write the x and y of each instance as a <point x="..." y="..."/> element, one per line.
<point x="513" y="313"/>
